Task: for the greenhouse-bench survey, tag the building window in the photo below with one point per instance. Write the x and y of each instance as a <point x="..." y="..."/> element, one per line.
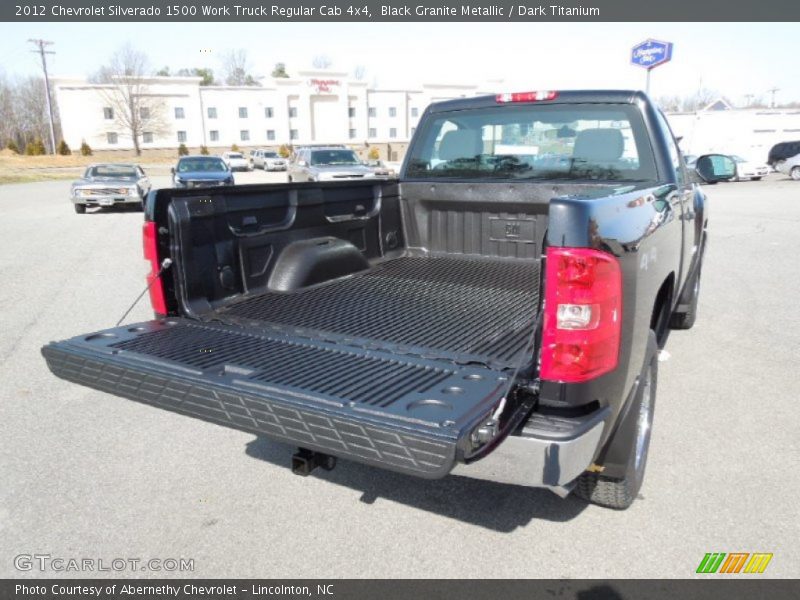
<point x="242" y="112"/>
<point x="372" y="112"/>
<point x="179" y="114"/>
<point x="108" y="113"/>
<point x="212" y="112"/>
<point x="181" y="136"/>
<point x="392" y="111"/>
<point x="373" y="132"/>
<point x="414" y="111"/>
<point x="144" y="112"/>
<point x="111" y="138"/>
<point x="352" y="134"/>
<point x="244" y="135"/>
<point x="293" y="135"/>
<point x="269" y="113"/>
<point x="351" y="112"/>
<point x="213" y="135"/>
<point x="292" y="112"/>
<point x="147" y="137"/>
<point x="392" y="133"/>
<point x="271" y="135"/>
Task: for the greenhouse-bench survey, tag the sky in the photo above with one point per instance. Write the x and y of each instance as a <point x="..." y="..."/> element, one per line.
<point x="734" y="59"/>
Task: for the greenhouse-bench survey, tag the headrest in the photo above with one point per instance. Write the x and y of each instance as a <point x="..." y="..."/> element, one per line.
<point x="599" y="145"/>
<point x="461" y="143"/>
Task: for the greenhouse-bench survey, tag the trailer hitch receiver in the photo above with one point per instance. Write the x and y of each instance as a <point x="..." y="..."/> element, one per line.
<point x="304" y="461"/>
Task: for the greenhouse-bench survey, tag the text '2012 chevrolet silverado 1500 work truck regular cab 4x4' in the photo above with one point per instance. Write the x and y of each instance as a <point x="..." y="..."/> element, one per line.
<point x="496" y="312"/>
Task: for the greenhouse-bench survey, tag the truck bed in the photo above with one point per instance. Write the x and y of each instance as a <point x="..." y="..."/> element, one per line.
<point x="392" y="366"/>
<point x="443" y="307"/>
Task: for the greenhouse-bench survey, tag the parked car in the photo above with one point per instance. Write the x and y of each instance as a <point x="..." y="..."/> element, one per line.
<point x="785" y="158"/>
<point x="268" y="160"/>
<point x="110" y="185"/>
<point x="236" y="161"/>
<point x="749" y="169"/>
<point x="411" y="327"/>
<point x="201" y="171"/>
<point x="381" y="169"/>
<point x="331" y="163"/>
<point x="782" y="151"/>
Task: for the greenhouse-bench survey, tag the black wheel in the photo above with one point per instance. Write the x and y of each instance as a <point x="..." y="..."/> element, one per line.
<point x="289" y="178"/>
<point x="80" y="208"/>
<point x="755" y="179"/>
<point x="685" y="320"/>
<point x="631" y="439"/>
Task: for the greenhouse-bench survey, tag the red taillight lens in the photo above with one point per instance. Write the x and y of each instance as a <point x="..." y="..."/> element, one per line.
<point x="539" y="96"/>
<point x="157" y="299"/>
<point x="582" y="314"/>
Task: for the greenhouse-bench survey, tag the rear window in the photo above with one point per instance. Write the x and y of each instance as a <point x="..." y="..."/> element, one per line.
<point x="235" y="155"/>
<point x="535" y="142"/>
<point x="270" y="155"/>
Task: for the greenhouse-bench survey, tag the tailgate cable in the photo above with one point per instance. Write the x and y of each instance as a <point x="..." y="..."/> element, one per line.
<point x="493" y="431"/>
<point x="165" y="264"/>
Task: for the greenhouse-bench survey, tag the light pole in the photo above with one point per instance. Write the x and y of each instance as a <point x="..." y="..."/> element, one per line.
<point x="41" y="44"/>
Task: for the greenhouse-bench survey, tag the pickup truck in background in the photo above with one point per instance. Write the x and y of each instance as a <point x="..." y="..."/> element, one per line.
<point x="497" y="312"/>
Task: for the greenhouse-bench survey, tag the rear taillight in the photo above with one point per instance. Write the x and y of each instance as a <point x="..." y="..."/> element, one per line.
<point x="539" y="96"/>
<point x="582" y="314"/>
<point x="149" y="238"/>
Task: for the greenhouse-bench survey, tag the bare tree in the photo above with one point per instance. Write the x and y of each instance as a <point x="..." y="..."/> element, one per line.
<point x="28" y="111"/>
<point x="126" y="91"/>
<point x="236" y="67"/>
<point x="670" y="103"/>
<point x="7" y="132"/>
<point x="321" y="61"/>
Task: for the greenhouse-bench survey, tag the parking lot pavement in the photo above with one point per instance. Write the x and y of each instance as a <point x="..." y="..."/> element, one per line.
<point x="86" y="474"/>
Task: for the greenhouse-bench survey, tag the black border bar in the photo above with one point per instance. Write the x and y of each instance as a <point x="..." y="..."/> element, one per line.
<point x="711" y="588"/>
<point x="284" y="11"/>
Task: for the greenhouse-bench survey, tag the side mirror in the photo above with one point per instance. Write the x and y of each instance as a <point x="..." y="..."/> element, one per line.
<point x="712" y="168"/>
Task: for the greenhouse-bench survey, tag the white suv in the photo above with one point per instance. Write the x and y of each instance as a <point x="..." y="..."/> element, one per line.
<point x="268" y="160"/>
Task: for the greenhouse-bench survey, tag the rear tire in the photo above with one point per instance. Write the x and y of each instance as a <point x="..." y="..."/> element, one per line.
<point x="755" y="179"/>
<point x="795" y="173"/>
<point x="80" y="208"/>
<point x="619" y="493"/>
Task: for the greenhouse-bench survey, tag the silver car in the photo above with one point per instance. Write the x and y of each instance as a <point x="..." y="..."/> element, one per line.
<point x="268" y="160"/>
<point x="328" y="164"/>
<point x="110" y="185"/>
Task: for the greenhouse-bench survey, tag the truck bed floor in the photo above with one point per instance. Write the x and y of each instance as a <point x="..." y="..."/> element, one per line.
<point x="456" y="308"/>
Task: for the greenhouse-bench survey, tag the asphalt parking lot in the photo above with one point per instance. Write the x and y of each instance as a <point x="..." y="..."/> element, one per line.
<point x="86" y="474"/>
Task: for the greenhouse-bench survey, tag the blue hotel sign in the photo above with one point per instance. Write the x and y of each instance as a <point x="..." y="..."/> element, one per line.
<point x="651" y="53"/>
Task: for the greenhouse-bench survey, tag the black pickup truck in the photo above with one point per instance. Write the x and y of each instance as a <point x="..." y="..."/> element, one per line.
<point x="496" y="312"/>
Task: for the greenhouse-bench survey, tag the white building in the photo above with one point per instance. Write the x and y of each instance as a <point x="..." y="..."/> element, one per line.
<point x="749" y="132"/>
<point x="315" y="107"/>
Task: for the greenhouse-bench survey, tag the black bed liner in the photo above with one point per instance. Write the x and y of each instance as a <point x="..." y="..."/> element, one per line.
<point x="467" y="310"/>
<point x="334" y="368"/>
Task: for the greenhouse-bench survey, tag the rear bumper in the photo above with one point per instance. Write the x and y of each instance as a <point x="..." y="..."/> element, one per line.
<point x="548" y="452"/>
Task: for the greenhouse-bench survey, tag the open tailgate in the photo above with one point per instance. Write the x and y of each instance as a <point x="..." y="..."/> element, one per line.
<point x="397" y="411"/>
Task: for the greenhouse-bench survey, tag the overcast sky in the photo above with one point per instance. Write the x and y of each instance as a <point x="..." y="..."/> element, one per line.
<point x="732" y="58"/>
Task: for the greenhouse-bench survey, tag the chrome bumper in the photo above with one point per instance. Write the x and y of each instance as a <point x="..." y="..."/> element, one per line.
<point x="107" y="200"/>
<point x="549" y="452"/>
